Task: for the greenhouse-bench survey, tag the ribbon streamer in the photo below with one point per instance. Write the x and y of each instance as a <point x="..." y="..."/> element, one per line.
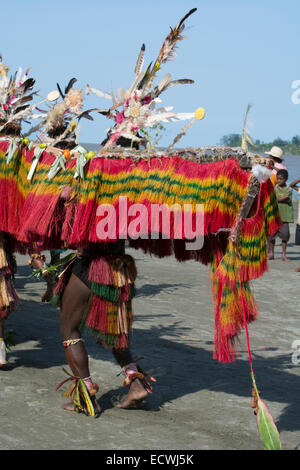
<point x="12" y="149"/>
<point x="80" y="161"/>
<point x="35" y="159"/>
<point x="58" y="164"/>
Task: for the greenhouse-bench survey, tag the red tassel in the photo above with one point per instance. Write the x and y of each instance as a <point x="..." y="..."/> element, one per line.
<point x="122" y="342"/>
<point x="101" y="271"/>
<point x="97" y="316"/>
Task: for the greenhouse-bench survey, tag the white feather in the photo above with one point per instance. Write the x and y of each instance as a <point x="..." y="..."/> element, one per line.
<point x="184" y="116"/>
<point x="120" y="95"/>
<point x="25" y="75"/>
<point x="164" y="82"/>
<point x="101" y="93"/>
<point x="137" y="79"/>
<point x="164" y="117"/>
<point x="166" y="108"/>
<point x="18" y="77"/>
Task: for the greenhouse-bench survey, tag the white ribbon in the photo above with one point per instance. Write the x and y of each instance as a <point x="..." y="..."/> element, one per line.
<point x="80" y="161"/>
<point x="57" y="165"/>
<point x="12" y="149"/>
<point x="35" y="158"/>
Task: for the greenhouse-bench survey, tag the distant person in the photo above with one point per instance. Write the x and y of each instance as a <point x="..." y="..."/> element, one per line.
<point x="276" y="155"/>
<point x="284" y="198"/>
<point x="294" y="186"/>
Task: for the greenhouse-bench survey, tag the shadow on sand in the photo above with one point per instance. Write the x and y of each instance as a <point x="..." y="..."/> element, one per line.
<point x="181" y="364"/>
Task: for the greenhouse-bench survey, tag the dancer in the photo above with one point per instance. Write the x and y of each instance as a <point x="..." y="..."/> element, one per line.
<point x="95" y="288"/>
<point x="15" y="92"/>
<point x="96" y="292"/>
<point x="8" y="294"/>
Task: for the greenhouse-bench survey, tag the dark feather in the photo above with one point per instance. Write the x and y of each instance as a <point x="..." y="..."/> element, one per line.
<point x="86" y="115"/>
<point x="140" y="60"/>
<point x="182" y="81"/>
<point x="27" y="85"/>
<point x="70" y="84"/>
<point x="59" y="89"/>
<point x="170" y="43"/>
<point x="21" y="108"/>
<point x="145" y="77"/>
<point x="24" y="99"/>
<point x="185" y="17"/>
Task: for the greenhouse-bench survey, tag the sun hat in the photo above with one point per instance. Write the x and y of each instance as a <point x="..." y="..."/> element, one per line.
<point x="275" y="152"/>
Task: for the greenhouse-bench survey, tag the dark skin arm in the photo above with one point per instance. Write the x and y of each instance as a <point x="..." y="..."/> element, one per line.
<point x="284" y="199"/>
<point x="293" y="184"/>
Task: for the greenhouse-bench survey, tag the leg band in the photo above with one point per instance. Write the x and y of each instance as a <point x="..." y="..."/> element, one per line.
<point x="70" y="342"/>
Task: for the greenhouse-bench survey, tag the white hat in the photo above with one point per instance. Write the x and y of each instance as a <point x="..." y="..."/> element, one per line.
<point x="275" y="152"/>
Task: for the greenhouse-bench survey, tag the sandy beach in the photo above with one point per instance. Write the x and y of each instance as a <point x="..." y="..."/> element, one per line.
<point x="196" y="403"/>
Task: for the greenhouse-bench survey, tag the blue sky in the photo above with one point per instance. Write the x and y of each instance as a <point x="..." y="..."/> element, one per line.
<point x="237" y="51"/>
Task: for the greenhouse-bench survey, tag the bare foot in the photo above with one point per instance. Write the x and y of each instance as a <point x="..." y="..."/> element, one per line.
<point x="70" y="407"/>
<point x="271" y="257"/>
<point x="135" y="396"/>
<point x="284" y="258"/>
<point x="297" y="270"/>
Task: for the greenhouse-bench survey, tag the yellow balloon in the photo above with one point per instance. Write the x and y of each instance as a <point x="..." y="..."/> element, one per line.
<point x="200" y="113"/>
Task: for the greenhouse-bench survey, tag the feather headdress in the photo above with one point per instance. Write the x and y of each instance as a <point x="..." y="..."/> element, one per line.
<point x="15" y="93"/>
<point x="139" y="100"/>
<point x="60" y="123"/>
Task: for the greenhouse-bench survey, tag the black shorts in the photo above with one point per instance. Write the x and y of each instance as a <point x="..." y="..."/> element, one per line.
<point x="80" y="268"/>
<point x="283" y="233"/>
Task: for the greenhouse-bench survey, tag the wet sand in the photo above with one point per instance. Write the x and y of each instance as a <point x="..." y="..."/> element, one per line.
<point x="196" y="403"/>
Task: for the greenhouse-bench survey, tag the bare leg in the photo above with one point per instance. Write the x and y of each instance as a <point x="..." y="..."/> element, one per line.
<point x="271" y="246"/>
<point x="74" y="304"/>
<point x="284" y="245"/>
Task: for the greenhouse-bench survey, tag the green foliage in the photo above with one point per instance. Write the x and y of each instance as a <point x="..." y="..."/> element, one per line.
<point x="267" y="429"/>
<point x="154" y="134"/>
<point x="289" y="147"/>
<point x="231" y="140"/>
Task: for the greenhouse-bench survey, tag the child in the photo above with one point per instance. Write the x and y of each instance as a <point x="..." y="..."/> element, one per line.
<point x="276" y="155"/>
<point x="284" y="199"/>
<point x="294" y="185"/>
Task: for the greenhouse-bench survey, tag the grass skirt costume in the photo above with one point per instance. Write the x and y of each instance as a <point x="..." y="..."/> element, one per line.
<point x="8" y="294"/>
<point x="110" y="275"/>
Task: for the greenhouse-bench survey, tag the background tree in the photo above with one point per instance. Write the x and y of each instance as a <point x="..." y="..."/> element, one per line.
<point x="231" y="140"/>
